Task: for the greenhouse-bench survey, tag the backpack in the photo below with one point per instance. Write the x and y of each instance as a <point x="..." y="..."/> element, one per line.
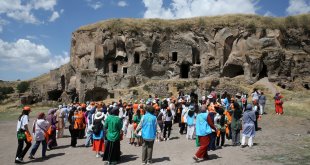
<point x="97" y="127"/>
<point x="79" y="121"/>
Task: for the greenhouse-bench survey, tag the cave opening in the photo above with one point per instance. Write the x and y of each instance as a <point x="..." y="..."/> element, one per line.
<point x="184" y="70"/>
<point x="136" y="58"/>
<point x="264" y="72"/>
<point x="54" y="95"/>
<point x="232" y="70"/>
<point x="96" y="94"/>
<point x="63" y="82"/>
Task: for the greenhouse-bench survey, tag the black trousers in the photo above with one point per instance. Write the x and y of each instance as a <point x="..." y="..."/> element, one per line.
<point x="183" y="128"/>
<point x="74" y="136"/>
<point x="222" y="137"/>
<point x="20" y="153"/>
<point x="167" y="127"/>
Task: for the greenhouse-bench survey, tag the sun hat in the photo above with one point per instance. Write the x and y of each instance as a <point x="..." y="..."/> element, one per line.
<point x="238" y="94"/>
<point x="98" y="115"/>
<point x="26" y="108"/>
<point x="88" y="108"/>
<point x="210" y="96"/>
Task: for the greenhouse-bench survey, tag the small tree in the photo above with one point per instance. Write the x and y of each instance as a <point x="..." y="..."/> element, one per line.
<point x="23" y="86"/>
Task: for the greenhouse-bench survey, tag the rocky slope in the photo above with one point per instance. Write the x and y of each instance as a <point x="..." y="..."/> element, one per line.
<point x="114" y="56"/>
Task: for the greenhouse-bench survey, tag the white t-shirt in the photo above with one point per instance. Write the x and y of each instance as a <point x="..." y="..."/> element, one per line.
<point x="23" y="121"/>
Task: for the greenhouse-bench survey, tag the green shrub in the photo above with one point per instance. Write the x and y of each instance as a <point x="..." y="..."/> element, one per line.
<point x="23" y="86"/>
<point x="6" y="90"/>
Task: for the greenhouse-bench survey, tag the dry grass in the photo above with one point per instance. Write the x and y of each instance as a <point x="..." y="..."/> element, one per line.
<point x="248" y="21"/>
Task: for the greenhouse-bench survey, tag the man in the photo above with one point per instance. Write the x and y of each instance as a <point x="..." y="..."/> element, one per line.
<point x="262" y="103"/>
<point x="148" y="124"/>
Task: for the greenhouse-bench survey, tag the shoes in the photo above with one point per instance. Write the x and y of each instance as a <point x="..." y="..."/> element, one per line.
<point x="243" y="146"/>
<point x="168" y="138"/>
<point x="149" y="162"/>
<point x="97" y="156"/>
<point x="197" y="159"/>
<point x="19" y="160"/>
<point x="31" y="157"/>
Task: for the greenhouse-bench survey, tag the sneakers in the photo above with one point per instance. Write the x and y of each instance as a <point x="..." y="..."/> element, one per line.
<point x="31" y="157"/>
<point x="97" y="156"/>
<point x="19" y="160"/>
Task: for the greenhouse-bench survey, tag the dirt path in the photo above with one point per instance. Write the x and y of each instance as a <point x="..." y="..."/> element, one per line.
<point x="283" y="139"/>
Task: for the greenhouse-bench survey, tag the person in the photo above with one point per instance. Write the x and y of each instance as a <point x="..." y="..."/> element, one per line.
<point x="183" y="118"/>
<point x="248" y="126"/>
<point x="39" y="128"/>
<point x="136" y="120"/>
<point x="159" y="116"/>
<point x="191" y="120"/>
<point x="130" y="125"/>
<point x="204" y="126"/>
<point x="236" y="124"/>
<point x="149" y="128"/>
<point x="168" y="119"/>
<point x="220" y="121"/>
<point x="60" y="118"/>
<point x="256" y="110"/>
<point x="212" y="114"/>
<point x="262" y="103"/>
<point x="278" y="103"/>
<point x="255" y="94"/>
<point x="22" y="127"/>
<point x="113" y="124"/>
<point x="79" y="122"/>
<point x="51" y="118"/>
<point x="98" y="133"/>
<point x="91" y="109"/>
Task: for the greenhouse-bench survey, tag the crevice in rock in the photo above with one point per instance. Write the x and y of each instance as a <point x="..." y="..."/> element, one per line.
<point x="96" y="94"/>
<point x="232" y="70"/>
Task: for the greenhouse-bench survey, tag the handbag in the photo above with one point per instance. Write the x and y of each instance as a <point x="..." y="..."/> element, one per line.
<point x="28" y="136"/>
<point x="197" y="142"/>
<point x="21" y="133"/>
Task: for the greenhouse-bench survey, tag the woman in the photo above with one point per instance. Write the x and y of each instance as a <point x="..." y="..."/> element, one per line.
<point x="60" y="116"/>
<point x="236" y="124"/>
<point x="191" y="124"/>
<point x="22" y="127"/>
<point x="220" y="122"/>
<point x="113" y="125"/>
<point x="98" y="133"/>
<point x="73" y="132"/>
<point x="204" y="126"/>
<point x="159" y="116"/>
<point x="212" y="113"/>
<point x="51" y="118"/>
<point x="248" y="126"/>
<point x="168" y="118"/>
<point x="278" y="103"/>
<point x="130" y="128"/>
<point x="136" y="120"/>
<point x="39" y="128"/>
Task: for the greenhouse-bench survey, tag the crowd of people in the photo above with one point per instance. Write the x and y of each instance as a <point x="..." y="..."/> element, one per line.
<point x="209" y="121"/>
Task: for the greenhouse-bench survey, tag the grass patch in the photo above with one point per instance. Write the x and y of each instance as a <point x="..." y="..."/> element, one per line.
<point x="252" y="21"/>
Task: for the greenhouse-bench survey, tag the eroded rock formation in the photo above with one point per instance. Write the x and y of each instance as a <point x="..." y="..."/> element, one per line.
<point x="104" y="60"/>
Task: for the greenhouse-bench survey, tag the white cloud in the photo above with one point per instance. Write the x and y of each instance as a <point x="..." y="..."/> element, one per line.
<point x="26" y="56"/>
<point x="54" y="16"/>
<point x="44" y="4"/>
<point x="298" y="7"/>
<point x="31" y="37"/>
<point x="193" y="8"/>
<point x="23" y="10"/>
<point x="2" y="23"/>
<point x="269" y="14"/>
<point x="122" y="4"/>
<point x="94" y="4"/>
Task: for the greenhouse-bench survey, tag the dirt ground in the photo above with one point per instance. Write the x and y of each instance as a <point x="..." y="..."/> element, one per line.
<point x="282" y="140"/>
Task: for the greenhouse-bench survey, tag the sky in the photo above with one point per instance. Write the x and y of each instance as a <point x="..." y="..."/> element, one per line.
<point x="35" y="35"/>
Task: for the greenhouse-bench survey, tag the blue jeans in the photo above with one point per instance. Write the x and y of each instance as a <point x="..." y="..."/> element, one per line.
<point x="89" y="138"/>
<point x="36" y="146"/>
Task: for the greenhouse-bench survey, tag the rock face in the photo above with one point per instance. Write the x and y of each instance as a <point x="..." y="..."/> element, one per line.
<point x="104" y="60"/>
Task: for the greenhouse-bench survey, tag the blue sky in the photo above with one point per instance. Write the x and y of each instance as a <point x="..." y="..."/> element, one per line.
<point x="35" y="35"/>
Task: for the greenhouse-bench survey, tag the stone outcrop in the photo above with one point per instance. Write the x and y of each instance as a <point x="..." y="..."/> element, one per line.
<point x="104" y="60"/>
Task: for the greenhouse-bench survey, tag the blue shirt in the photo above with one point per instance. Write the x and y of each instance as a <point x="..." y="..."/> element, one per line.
<point x="202" y="126"/>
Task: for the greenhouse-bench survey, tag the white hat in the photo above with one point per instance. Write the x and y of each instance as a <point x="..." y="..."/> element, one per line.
<point x="88" y="108"/>
<point x="98" y="115"/>
<point x="210" y="96"/>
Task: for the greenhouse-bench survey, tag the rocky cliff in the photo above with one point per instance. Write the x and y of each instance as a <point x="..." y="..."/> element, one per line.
<point x="121" y="54"/>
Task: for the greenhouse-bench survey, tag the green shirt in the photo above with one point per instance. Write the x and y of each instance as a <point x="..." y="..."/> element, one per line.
<point x="113" y="124"/>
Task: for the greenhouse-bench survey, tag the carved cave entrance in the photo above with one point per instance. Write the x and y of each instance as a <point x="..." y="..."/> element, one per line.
<point x="54" y="95"/>
<point x="97" y="94"/>
<point x="63" y="82"/>
<point x="184" y="70"/>
<point x="264" y="72"/>
<point x="232" y="70"/>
